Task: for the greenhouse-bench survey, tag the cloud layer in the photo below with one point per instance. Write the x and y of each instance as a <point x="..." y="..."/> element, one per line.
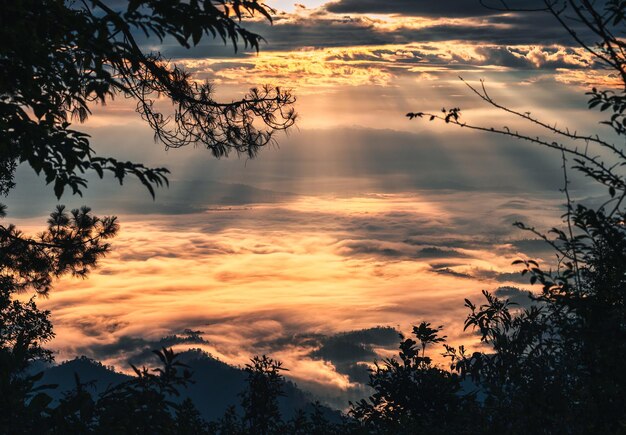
<point x="361" y="224"/>
<point x="289" y="279"/>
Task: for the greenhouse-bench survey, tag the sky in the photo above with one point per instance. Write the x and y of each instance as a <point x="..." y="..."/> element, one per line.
<point x="359" y="223"/>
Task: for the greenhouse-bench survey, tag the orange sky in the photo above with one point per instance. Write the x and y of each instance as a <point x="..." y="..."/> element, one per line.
<point x="360" y="218"/>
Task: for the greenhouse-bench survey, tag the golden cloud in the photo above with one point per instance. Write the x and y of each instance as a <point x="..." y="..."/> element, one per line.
<point x="315" y="265"/>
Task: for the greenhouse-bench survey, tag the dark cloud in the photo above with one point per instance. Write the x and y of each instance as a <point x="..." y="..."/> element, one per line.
<point x="520" y="297"/>
<point x="523" y="29"/>
<point x="478" y="274"/>
<point x="431" y="9"/>
<point x="377" y="336"/>
<point x="138" y="350"/>
<point x="370" y="247"/>
<point x="350" y="351"/>
<point x="532" y="247"/>
<point x="449" y="271"/>
<point x="499" y="276"/>
<point x="343" y="350"/>
<point x="446" y="242"/>
<point x="326" y="31"/>
<point x="341" y="24"/>
<point x="385" y="160"/>
<point x="94" y="326"/>
<point x="434" y="252"/>
<point x="518" y="204"/>
<point x="396" y="249"/>
<point x="494" y="27"/>
<point x="502" y="56"/>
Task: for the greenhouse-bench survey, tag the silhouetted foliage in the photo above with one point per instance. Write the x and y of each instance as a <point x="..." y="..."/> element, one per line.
<point x="57" y="60"/>
<point x="24" y="331"/>
<point x="260" y="399"/>
<point x="144" y="403"/>
<point x="260" y="412"/>
<point x="75" y="413"/>
<point x="555" y="367"/>
<point x="78" y="54"/>
<point x="188" y="419"/>
<point x="229" y="424"/>
<point x="72" y="244"/>
<point x="412" y="395"/>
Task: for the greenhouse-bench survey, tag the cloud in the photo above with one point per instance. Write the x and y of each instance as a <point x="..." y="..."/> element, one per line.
<point x="420" y="23"/>
<point x="311" y="69"/>
<point x="343" y="160"/>
<point x="453" y="8"/>
<point x="289" y="279"/>
<point x="139" y="350"/>
<point x="532" y="247"/>
<point x="500" y="276"/>
<point x="361" y="218"/>
<point x="434" y="252"/>
<point x="461" y="270"/>
<point x="352" y="352"/>
<point x="370" y="247"/>
<point x="515" y="295"/>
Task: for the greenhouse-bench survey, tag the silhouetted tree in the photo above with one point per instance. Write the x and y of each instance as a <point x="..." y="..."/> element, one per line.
<point x="260" y="399"/>
<point x="321" y="425"/>
<point x="24" y="331"/>
<point x="188" y="419"/>
<point x="72" y="244"/>
<point x="143" y="405"/>
<point x="57" y="60"/>
<point x="412" y="395"/>
<point x="314" y="422"/>
<point x="229" y="424"/>
<point x="75" y="414"/>
<point x="556" y="367"/>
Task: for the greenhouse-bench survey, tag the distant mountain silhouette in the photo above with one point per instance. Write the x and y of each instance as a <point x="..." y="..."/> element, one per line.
<point x="216" y="384"/>
<point x="87" y="369"/>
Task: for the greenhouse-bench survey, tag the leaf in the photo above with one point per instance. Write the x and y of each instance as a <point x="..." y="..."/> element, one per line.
<point x="196" y="35"/>
<point x="59" y="187"/>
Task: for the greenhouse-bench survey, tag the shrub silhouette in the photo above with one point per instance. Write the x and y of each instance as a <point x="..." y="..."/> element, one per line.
<point x="412" y="395"/>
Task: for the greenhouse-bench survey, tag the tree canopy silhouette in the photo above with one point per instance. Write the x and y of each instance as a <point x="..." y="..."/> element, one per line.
<point x="412" y="394"/>
<point x="555" y="367"/>
<point x="59" y="58"/>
